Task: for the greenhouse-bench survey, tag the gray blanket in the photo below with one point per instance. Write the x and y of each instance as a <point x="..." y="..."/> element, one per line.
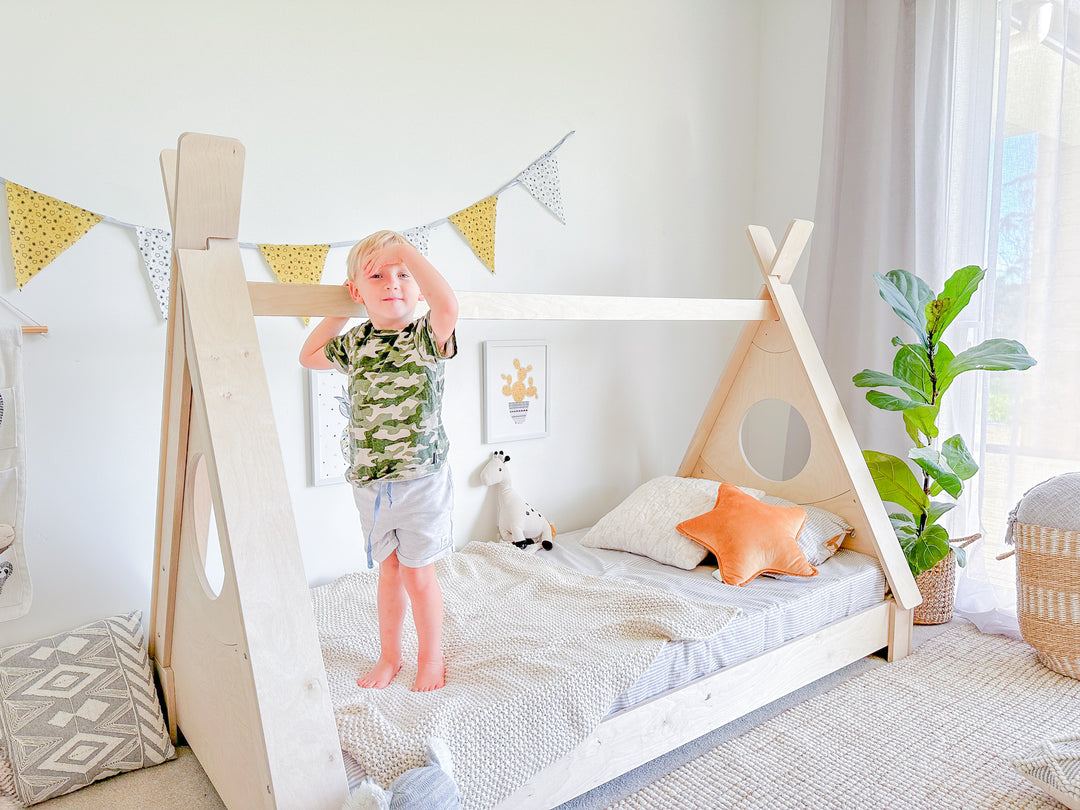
<point x="535" y="654"/>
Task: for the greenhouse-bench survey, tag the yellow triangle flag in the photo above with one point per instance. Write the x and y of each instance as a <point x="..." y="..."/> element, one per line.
<point x="41" y="229"/>
<point x="477" y="225"/>
<point x="296" y="264"/>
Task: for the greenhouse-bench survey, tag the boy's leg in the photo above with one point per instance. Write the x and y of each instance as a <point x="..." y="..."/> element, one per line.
<point x="427" y="606"/>
<point x="391" y="604"/>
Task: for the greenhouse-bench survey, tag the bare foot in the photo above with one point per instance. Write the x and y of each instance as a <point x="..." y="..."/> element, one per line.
<point x="430" y="675"/>
<point x="380" y="676"/>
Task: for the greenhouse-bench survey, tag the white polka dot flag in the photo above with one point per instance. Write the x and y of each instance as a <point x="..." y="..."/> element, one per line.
<point x="542" y="181"/>
<point x="155" y="247"/>
<point x="418" y="236"/>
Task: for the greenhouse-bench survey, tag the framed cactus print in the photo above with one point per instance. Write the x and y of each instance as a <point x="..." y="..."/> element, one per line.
<point x="516" y="390"/>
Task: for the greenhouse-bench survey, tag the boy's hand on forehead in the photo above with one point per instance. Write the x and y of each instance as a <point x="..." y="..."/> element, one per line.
<point x="387" y="257"/>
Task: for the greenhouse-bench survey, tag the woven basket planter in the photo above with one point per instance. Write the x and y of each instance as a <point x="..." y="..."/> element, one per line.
<point x="938" y="588"/>
<point x="1046" y="535"/>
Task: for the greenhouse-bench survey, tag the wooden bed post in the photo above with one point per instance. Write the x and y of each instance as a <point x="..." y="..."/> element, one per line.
<point x="241" y="668"/>
<point x="778" y="359"/>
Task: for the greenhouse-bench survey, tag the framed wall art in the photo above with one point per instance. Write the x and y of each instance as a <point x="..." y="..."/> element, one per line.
<point x="329" y="421"/>
<point x="516" y="390"/>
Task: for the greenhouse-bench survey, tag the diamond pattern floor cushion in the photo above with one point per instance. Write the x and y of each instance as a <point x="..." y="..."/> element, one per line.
<point x="1054" y="766"/>
<point x="78" y="707"/>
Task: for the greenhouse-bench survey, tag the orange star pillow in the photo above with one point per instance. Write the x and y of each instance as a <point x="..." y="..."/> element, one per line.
<point x="749" y="537"/>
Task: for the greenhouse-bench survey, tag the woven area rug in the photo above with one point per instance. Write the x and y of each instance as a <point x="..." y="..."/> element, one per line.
<point x="938" y="729"/>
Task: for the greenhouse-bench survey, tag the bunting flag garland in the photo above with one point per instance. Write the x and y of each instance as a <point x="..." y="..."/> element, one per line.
<point x="41" y="229"/>
<point x="418" y="236"/>
<point x="542" y="181"/>
<point x="477" y="225"/>
<point x="155" y="247"/>
<point x="296" y="264"/>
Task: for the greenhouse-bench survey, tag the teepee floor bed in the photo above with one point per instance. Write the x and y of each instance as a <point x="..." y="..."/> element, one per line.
<point x="690" y="675"/>
<point x="242" y="666"/>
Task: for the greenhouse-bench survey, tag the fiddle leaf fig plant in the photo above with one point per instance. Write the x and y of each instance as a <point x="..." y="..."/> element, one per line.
<point x="922" y="371"/>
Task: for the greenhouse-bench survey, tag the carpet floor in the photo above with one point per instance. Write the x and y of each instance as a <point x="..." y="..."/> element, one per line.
<point x="938" y="729"/>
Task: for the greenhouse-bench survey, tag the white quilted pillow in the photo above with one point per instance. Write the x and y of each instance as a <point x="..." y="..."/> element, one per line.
<point x="645" y="522"/>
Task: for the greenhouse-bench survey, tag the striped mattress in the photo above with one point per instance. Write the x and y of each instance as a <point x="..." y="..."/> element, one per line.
<point x="775" y="610"/>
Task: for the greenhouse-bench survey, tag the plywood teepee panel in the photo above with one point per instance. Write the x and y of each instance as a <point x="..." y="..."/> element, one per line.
<point x="779" y="360"/>
<point x="243" y="671"/>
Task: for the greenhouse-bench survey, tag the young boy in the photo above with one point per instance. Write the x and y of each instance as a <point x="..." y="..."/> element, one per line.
<point x="399" y="472"/>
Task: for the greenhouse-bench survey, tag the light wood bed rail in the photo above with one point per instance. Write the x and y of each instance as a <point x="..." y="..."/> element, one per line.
<point x="241" y="669"/>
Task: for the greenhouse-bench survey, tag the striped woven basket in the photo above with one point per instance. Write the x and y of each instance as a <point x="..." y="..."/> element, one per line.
<point x="1048" y="594"/>
<point x="1044" y="528"/>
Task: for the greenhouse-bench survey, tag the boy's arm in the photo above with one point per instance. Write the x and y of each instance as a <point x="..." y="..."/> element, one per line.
<point x="437" y="292"/>
<point x="312" y="353"/>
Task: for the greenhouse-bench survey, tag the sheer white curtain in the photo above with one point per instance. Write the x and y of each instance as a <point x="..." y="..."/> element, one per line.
<point x="919" y="171"/>
<point x="903" y="183"/>
<point x="1029" y="425"/>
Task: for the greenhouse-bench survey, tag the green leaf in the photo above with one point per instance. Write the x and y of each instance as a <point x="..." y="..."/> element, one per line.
<point x="912" y="365"/>
<point x="896" y="482"/>
<point x="913" y="431"/>
<point x="922" y="419"/>
<point x="943" y="358"/>
<point x="872" y="379"/>
<point x="887" y="402"/>
<point x="960" y="460"/>
<point x="934" y="464"/>
<point x="937" y="509"/>
<point x="954" y="296"/>
<point x="903" y="524"/>
<point x="930" y="548"/>
<point x="995" y="354"/>
<point x="908" y="296"/>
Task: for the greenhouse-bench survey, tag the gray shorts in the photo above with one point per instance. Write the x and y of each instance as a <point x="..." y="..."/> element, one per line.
<point x="414" y="518"/>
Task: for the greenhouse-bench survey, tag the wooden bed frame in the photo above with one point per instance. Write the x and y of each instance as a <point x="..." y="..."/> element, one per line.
<point x="242" y="671"/>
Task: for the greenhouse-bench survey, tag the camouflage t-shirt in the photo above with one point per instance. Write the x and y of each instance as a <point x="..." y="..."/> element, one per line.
<point x="395" y="389"/>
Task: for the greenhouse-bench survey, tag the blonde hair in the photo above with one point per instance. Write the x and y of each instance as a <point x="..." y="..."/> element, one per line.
<point x="368" y="245"/>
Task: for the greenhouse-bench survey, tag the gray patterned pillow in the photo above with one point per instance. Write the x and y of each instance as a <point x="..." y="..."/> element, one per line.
<point x="821" y="534"/>
<point x="1054" y="766"/>
<point x="78" y="707"/>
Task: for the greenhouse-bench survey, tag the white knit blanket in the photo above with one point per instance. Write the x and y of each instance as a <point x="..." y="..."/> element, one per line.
<point x="536" y="653"/>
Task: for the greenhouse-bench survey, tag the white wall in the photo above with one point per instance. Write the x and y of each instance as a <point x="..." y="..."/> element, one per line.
<point x="693" y="118"/>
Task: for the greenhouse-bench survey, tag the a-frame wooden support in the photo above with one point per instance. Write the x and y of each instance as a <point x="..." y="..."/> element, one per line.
<point x="778" y="359"/>
<point x="241" y="670"/>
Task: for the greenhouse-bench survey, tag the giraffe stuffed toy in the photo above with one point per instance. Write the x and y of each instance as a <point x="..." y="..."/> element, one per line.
<point x="519" y="523"/>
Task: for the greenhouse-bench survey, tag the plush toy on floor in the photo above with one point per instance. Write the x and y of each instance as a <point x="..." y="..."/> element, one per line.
<point x="429" y="787"/>
<point x="519" y="523"/>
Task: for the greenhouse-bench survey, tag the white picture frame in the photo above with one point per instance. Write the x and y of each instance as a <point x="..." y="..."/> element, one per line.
<point x="517" y="379"/>
<point x="328" y="393"/>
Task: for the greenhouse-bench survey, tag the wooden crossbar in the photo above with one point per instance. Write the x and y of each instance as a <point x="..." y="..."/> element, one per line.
<point x="323" y="300"/>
